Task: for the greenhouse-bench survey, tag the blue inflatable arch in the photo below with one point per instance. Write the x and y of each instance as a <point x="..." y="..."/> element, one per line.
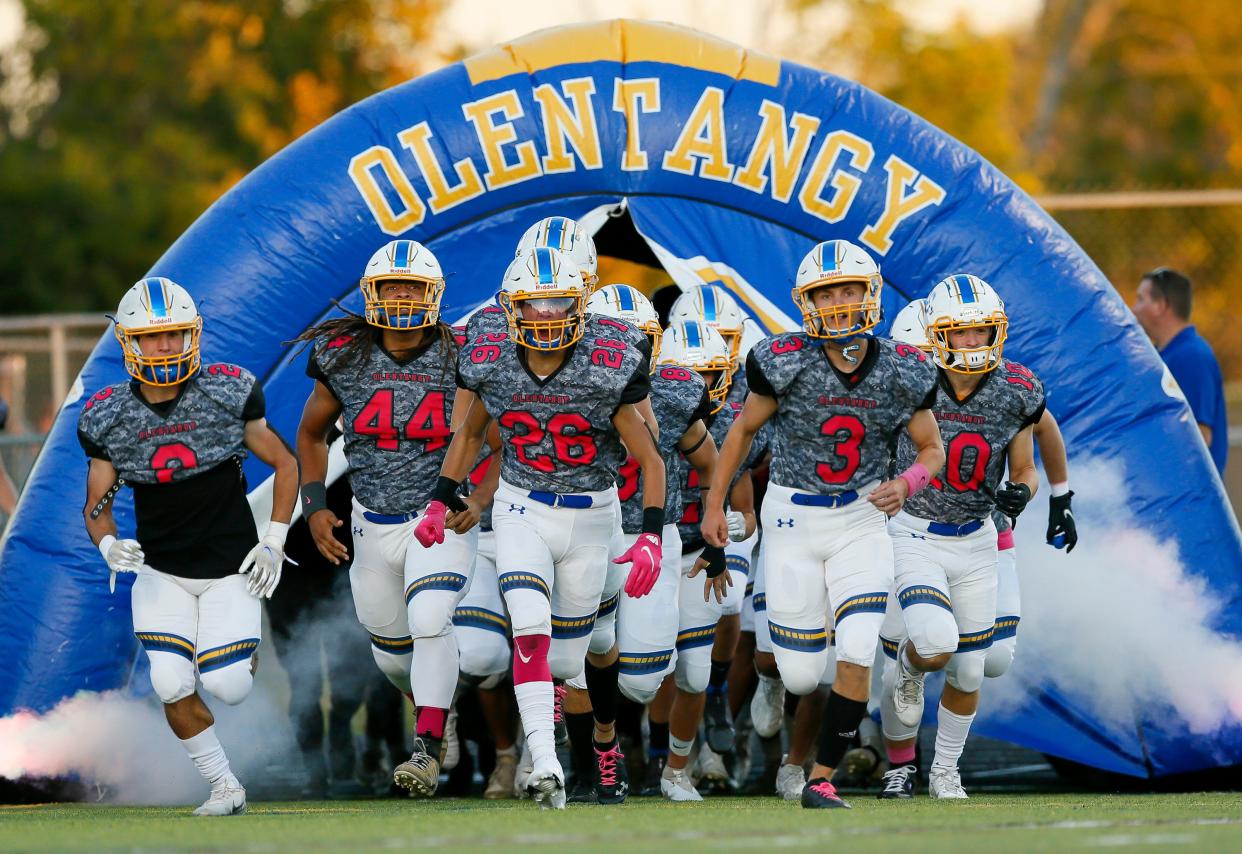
<point x="732" y="164"/>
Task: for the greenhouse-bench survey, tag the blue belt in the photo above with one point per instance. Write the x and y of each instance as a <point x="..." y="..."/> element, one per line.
<point x="807" y="499"/>
<point x="388" y="518"/>
<point x="560" y="499"/>
<point x="943" y="529"/>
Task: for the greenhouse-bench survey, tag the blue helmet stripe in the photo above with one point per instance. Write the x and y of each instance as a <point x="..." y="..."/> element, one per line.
<point x="558" y="226"/>
<point x="543" y="266"/>
<point x="709" y="303"/>
<point x="155" y="297"/>
<point x="625" y="298"/>
<point x="965" y="288"/>
<point x="402" y="255"/>
<point x="693" y="339"/>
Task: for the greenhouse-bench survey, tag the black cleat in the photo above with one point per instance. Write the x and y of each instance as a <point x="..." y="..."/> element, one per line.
<point x="583" y="791"/>
<point x="718" y="721"/>
<point x="898" y="783"/>
<point x="819" y="794"/>
<point x="651" y="779"/>
<point x="612" y="778"/>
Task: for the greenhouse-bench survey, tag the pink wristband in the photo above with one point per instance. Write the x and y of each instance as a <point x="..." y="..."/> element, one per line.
<point x="916" y="477"/>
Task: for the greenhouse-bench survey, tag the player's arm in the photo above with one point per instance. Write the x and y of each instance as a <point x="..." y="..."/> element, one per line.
<point x="699" y="449"/>
<point x="266" y="444"/>
<point x="1015" y="493"/>
<point x="757" y="411"/>
<point x="459" y="522"/>
<point x="462" y="451"/>
<point x="742" y="502"/>
<point x="924" y="432"/>
<point x="635" y="433"/>
<point x="320" y="413"/>
<point x="120" y="555"/>
<point x="1062" y="529"/>
<point x="648" y="415"/>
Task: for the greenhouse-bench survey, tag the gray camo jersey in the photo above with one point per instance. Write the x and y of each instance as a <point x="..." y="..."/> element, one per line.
<point x="678" y="399"/>
<point x="836" y="432"/>
<point x="691" y="515"/>
<point x="204" y="428"/>
<point x="976" y="433"/>
<point x="557" y="433"/>
<point x="492" y="319"/>
<point x="396" y="417"/>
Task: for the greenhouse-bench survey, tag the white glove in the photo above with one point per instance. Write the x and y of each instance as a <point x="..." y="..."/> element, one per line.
<point x="265" y="561"/>
<point x="121" y="555"/>
<point x="737" y="525"/>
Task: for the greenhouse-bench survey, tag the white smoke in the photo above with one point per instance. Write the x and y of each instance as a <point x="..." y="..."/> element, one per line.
<point x="1118" y="626"/>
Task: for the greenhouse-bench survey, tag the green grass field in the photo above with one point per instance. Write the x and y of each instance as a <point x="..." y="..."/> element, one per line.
<point x="1005" y="823"/>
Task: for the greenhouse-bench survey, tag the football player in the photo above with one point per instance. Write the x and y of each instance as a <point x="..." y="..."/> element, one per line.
<point x="391" y="377"/>
<point x="837" y="398"/>
<point x="944" y="539"/>
<point x="562" y="388"/>
<point x="176" y="434"/>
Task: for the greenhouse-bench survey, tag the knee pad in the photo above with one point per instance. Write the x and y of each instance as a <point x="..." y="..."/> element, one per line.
<point x="932" y="629"/>
<point x="999" y="657"/>
<point x="567" y="658"/>
<point x="530" y="613"/>
<point x="482" y="658"/>
<point x="230" y="684"/>
<point x="172" y="677"/>
<point x="693" y="669"/>
<point x="603" y="637"/>
<point x="800" y="671"/>
<point x="430" y="613"/>
<point x="965" y="671"/>
<point x="858" y="635"/>
<point x="642" y="688"/>
<point x="395" y="666"/>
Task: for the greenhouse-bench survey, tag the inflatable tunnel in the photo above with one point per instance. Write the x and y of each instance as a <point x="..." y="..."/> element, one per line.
<point x="731" y="164"/>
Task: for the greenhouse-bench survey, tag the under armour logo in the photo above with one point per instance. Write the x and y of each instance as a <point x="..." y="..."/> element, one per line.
<point x="918" y="536"/>
<point x="517" y="508"/>
<point x="357" y="531"/>
<point x="784" y="523"/>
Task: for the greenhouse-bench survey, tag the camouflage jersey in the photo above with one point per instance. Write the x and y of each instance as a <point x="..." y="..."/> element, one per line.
<point x="557" y="433"/>
<point x="491" y="318"/>
<point x="691" y="516"/>
<point x="182" y="458"/>
<point x="976" y="434"/>
<point x="396" y="415"/>
<point x="678" y="399"/>
<point x="832" y="431"/>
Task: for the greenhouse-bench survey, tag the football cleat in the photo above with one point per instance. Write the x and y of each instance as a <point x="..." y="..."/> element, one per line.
<point x="767" y="707"/>
<point x="908" y="693"/>
<point x="522" y="773"/>
<point x="790" y="781"/>
<point x="819" y="794"/>
<point x="946" y="783"/>
<point x="612" y="782"/>
<point x="710" y="771"/>
<point x="898" y="783"/>
<point x="653" y="774"/>
<point x="675" y="785"/>
<point x="420" y="774"/>
<point x="500" y="781"/>
<point x="226" y="800"/>
<point x="452" y="747"/>
<point x="718" y="721"/>
<point x="559" y="728"/>
<point x="546" y="784"/>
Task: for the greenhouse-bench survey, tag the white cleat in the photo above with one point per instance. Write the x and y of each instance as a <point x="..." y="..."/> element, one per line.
<point x="767" y="707"/>
<point x="525" y="765"/>
<point x="228" y="800"/>
<point x="711" y="767"/>
<point x="907" y="692"/>
<point x="676" y="786"/>
<point x="452" y="748"/>
<point x="546" y="784"/>
<point x="946" y="783"/>
<point x="790" y="781"/>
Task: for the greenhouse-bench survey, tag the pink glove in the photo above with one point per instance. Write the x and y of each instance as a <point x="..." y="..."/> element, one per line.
<point x="645" y="556"/>
<point x="430" y="529"/>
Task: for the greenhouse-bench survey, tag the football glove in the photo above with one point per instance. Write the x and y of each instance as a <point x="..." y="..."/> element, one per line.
<point x="644" y="556"/>
<point x="430" y="529"/>
<point x="121" y="556"/>
<point x="737" y="525"/>
<point x="264" y="562"/>
<point x="1062" y="531"/>
<point x="1011" y="499"/>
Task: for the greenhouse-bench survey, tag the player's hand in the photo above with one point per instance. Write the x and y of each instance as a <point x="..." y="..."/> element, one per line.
<point x="322" y="523"/>
<point x="121" y="556"/>
<point x="263" y="566"/>
<point x="1011" y="499"/>
<point x="715" y="526"/>
<point x="1062" y="531"/>
<point x="717" y="580"/>
<point x="736" y="521"/>
<point x="890" y="495"/>
<point x="461" y="521"/>
<point x="430" y="528"/>
<point x="644" y="556"/>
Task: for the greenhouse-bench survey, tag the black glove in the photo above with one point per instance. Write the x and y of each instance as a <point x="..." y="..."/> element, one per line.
<point x="715" y="557"/>
<point x="1061" y="522"/>
<point x="1011" y="498"/>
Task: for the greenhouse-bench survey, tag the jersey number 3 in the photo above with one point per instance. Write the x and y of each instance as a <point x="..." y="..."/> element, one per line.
<point x="847" y="433"/>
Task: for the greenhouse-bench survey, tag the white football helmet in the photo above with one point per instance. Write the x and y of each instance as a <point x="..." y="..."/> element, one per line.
<point x="403" y="261"/>
<point x="699" y="347"/>
<point x="158" y="305"/>
<point x="838" y="262"/>
<point x="752" y="334"/>
<point x="566" y="235"/>
<point x="959" y="303"/>
<point x="714" y="306"/>
<point x="910" y="326"/>
<point x="544" y="298"/>
<point x="626" y="302"/>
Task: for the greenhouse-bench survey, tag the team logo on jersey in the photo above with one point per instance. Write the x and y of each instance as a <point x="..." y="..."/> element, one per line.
<point x="517" y="508"/>
<point x="357" y="531"/>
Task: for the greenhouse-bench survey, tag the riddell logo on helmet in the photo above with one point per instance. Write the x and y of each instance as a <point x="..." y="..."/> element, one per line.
<point x="160" y="321"/>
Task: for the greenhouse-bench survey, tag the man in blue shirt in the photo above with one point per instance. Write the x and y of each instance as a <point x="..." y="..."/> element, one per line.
<point x="1162" y="306"/>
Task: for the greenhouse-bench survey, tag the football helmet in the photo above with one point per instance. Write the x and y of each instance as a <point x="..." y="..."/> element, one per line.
<point x="752" y="334"/>
<point x="714" y="306"/>
<point x="567" y="236"/>
<point x="544" y="299"/>
<point x="836" y="262"/>
<point x="699" y="347"/>
<point x="910" y="326"/>
<point x="966" y="302"/>
<point x="154" y="305"/>
<point x="628" y="303"/>
<point x="405" y="260"/>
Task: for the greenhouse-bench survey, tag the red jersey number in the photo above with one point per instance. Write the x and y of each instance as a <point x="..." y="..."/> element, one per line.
<point x="171" y="458"/>
<point x="428" y="424"/>
<point x="572" y="442"/>
<point x="966" y="462"/>
<point x="847" y="434"/>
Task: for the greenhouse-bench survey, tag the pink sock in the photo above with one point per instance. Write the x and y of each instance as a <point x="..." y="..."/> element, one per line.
<point x="901" y="755"/>
<point x="530" y="659"/>
<point x="430" y="722"/>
